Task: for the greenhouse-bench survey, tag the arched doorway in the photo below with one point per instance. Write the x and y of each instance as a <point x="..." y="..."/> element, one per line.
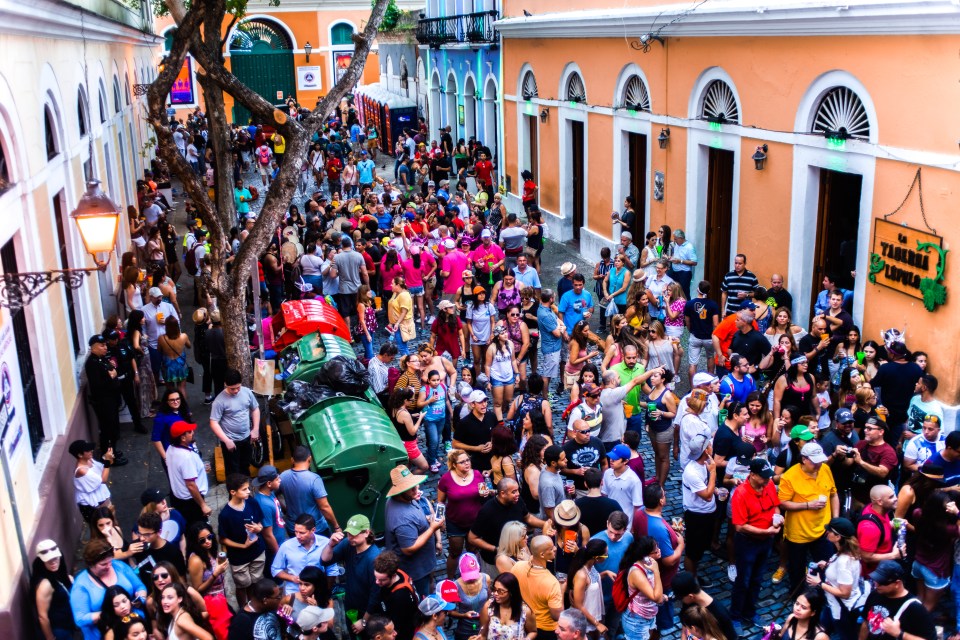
<point x="261" y="56"/>
<point x="434" y="115"/>
<point x="452" y="117"/>
<point x="470" y="108"/>
<point x="491" y="137"/>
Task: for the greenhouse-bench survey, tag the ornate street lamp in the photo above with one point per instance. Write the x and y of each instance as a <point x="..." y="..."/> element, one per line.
<point x="664" y="138"/>
<point x="98" y="219"/>
<point x="307" y="48"/>
<point x="760" y="156"/>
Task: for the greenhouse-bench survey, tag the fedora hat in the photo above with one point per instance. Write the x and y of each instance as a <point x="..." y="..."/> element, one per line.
<point x="401" y="479"/>
<point x="567" y="513"/>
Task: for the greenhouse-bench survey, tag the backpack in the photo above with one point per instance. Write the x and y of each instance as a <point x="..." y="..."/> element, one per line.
<point x="254" y="192"/>
<point x="263" y="155"/>
<point x="622" y="595"/>
<point x="872" y="518"/>
<point x="190" y="259"/>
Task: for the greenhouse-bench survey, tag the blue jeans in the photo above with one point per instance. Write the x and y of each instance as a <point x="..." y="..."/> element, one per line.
<point x="635" y="627"/>
<point x="433" y="429"/>
<point x="751" y="554"/>
<point x="401" y="345"/>
<point x="367" y="346"/>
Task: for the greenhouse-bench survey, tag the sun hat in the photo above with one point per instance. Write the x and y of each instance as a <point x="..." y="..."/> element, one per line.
<point x="401" y="479"/>
<point x="639" y="276"/>
<point x="200" y="315"/>
<point x="567" y="513"/>
<point x="567" y="268"/>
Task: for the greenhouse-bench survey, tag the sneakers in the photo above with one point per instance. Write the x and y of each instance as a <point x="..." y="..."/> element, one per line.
<point x="435" y="468"/>
<point x="732" y="573"/>
<point x="208" y="400"/>
<point x="447" y="446"/>
<point x="779" y="575"/>
<point x="704" y="581"/>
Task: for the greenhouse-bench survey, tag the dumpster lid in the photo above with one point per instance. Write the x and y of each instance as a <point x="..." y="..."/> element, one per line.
<point x="298" y="318"/>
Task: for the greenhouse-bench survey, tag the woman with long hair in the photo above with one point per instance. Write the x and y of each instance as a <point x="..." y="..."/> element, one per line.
<point x="675" y="303"/>
<point x="761" y="429"/>
<point x="400" y="315"/>
<point x="165" y="574"/>
<point x="531" y="464"/>
<point x="502" y="370"/>
<point x="148" y="386"/>
<point x="649" y="255"/>
<point x="446" y="332"/>
<point x="785" y="350"/>
<point x="580" y="337"/>
<point x="839" y="578"/>
<point x="519" y="418"/>
<point x="104" y="526"/>
<point x="616" y="284"/>
<point x="874" y="355"/>
<point x="413" y="267"/>
<point x="178" y="615"/>
<point x="796" y="388"/>
<point x="660" y="421"/>
<point x="850" y="381"/>
<point x="173" y="345"/>
<point x="132" y="291"/>
<point x="589" y="374"/>
<point x="804" y="622"/>
<point x="763" y="313"/>
<point x="156" y="256"/>
<point x="204" y="567"/>
<point x="504" y="446"/>
<point x="512" y="547"/>
<point x="402" y="400"/>
<point x="664" y="244"/>
<point x="661" y="350"/>
<point x="458" y="490"/>
<point x="845" y="356"/>
<point x="584" y="591"/>
<point x="781" y="324"/>
<point x="50" y="584"/>
<point x="366" y="326"/>
<point x="505" y="616"/>
<point x="642" y="582"/>
<point x="171" y="410"/>
<point x="933" y="560"/>
<point x="865" y="407"/>
<point x="519" y="335"/>
<point x="638" y="301"/>
<point x="506" y="293"/>
<point x="699" y="624"/>
<point x="313" y="590"/>
<point x="915" y="491"/>
<point x="117" y="607"/>
<point x="481" y="316"/>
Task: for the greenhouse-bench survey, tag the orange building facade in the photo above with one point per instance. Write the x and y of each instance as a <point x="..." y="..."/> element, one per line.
<point x="297" y="49"/>
<point x="845" y="103"/>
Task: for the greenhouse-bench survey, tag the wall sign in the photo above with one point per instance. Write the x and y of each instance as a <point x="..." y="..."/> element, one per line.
<point x="910" y="261"/>
<point x="308" y="78"/>
<point x="659" y="181"/>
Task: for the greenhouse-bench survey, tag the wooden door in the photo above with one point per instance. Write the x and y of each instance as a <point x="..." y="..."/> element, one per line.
<point x="637" y="182"/>
<point x="838" y="225"/>
<point x="719" y="219"/>
<point x="577" y="179"/>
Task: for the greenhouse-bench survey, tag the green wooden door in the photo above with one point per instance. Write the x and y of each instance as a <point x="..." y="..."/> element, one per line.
<point x="265" y="70"/>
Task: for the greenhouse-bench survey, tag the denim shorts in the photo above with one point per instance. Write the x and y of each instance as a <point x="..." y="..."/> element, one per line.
<point x="635" y="627"/>
<point x="502" y="383"/>
<point x="453" y="531"/>
<point x="416" y="291"/>
<point x="932" y="580"/>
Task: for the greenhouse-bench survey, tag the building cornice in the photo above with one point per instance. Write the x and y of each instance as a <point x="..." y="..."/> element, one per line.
<point x="745" y="18"/>
<point x="62" y="21"/>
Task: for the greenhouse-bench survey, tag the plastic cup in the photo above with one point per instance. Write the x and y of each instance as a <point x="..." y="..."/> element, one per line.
<point x="651" y="406"/>
<point x="722" y="493"/>
<point x="777" y="519"/>
<point x="569" y="486"/>
<point x="861" y="356"/>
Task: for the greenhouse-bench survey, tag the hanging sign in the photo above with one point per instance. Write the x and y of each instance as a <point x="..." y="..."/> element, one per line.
<point x="910" y="261"/>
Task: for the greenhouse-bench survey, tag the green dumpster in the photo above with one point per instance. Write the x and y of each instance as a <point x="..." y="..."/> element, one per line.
<point x="303" y="359"/>
<point x="354" y="447"/>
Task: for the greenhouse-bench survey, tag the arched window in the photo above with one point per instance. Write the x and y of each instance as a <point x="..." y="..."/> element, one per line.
<point x="103" y="104"/>
<point x="260" y="36"/>
<point x="576" y="92"/>
<point x="168" y="39"/>
<point x="117" y="105"/>
<point x="126" y="93"/>
<point x="83" y="122"/>
<point x="635" y="95"/>
<point x="4" y="172"/>
<point x="720" y="104"/>
<point x="49" y="135"/>
<point x="341" y="34"/>
<point x="529" y="87"/>
<point x="841" y="114"/>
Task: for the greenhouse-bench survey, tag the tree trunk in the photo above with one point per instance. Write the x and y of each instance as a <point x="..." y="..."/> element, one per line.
<point x="233" y="313"/>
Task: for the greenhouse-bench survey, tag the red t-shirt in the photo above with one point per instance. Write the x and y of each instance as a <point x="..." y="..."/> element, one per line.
<point x="869" y="536"/>
<point x="447" y="339"/>
<point x="754" y="509"/>
<point x="484" y="170"/>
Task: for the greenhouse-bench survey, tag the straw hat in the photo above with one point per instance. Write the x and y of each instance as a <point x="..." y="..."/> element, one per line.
<point x="567" y="513"/>
<point x="200" y="315"/>
<point x="567" y="268"/>
<point x="402" y="480"/>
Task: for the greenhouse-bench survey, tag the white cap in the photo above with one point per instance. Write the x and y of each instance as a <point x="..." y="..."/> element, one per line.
<point x="311" y="617"/>
<point x="477" y="396"/>
<point x="449" y="243"/>
<point x="813" y="451"/>
<point x="702" y="377"/>
<point x="155" y="292"/>
<point x="486" y="233"/>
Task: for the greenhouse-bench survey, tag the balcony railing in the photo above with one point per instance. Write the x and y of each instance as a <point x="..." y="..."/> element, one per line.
<point x="468" y="27"/>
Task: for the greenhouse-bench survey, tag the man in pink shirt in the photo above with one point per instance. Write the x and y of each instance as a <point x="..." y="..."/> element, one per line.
<point x="487" y="261"/>
<point x="874" y="531"/>
<point x="451" y="268"/>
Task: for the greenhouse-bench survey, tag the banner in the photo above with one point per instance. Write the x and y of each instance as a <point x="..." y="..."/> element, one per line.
<point x="182" y="90"/>
<point x="308" y="78"/>
<point x="341" y="61"/>
<point x="12" y="430"/>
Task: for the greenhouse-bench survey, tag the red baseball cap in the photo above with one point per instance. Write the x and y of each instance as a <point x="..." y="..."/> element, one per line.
<point x="447" y="591"/>
<point x="181" y="427"/>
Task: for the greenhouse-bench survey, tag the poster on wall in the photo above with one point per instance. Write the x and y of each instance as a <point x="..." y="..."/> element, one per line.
<point x="341" y="61"/>
<point x="308" y="78"/>
<point x="12" y="432"/>
<point x="182" y="90"/>
<point x="658" y="185"/>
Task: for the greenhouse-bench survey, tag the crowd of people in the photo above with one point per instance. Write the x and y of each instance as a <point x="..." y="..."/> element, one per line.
<point x="525" y="396"/>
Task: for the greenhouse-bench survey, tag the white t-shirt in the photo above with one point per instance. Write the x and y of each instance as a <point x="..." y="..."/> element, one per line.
<point x="185" y="464"/>
<point x="627" y="490"/>
<point x="920" y="449"/>
<point x="153" y="318"/>
<point x="694" y="479"/>
<point x="690" y="425"/>
<point x="593" y="417"/>
<point x="710" y="413"/>
<point x="843" y="570"/>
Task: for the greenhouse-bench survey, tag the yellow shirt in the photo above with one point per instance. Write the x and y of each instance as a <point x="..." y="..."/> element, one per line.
<point x="540" y="590"/>
<point x="796" y="486"/>
<point x="279" y="144"/>
<point x="400" y="301"/>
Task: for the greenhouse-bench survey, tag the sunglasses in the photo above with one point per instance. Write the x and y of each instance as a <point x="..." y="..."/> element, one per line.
<point x="160" y="576"/>
<point x="206" y="537"/>
<point x="585" y="431"/>
<point x="933" y="419"/>
<point x="514" y="315"/>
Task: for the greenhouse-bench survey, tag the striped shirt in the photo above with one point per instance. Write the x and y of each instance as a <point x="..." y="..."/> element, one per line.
<point x="378" y="372"/>
<point x="733" y="283"/>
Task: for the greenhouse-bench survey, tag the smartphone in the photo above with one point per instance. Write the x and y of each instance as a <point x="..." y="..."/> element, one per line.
<point x="441" y="510"/>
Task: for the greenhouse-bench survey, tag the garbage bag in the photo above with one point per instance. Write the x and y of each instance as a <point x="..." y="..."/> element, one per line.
<point x="346" y="375"/>
<point x="301" y="395"/>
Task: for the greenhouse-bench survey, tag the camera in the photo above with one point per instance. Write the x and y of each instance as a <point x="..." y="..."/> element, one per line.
<point x="850" y="453"/>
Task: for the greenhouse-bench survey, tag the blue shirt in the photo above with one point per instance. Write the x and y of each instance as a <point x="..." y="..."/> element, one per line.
<point x="548" y="323"/>
<point x="365" y="171"/>
<point x="615" y="281"/>
<point x="354" y="132"/>
<point x="951" y="470"/>
<point x="86" y="596"/>
<point x="292" y="557"/>
<point x="615" y="553"/>
<point x="823" y="301"/>
<point x="361" y="591"/>
<point x="738" y="390"/>
<point x="231" y="526"/>
<point x="300" y="490"/>
<point x="528" y="278"/>
<point x="386" y="220"/>
<point x="573" y="306"/>
<point x="405" y="521"/>
<point x="272" y="515"/>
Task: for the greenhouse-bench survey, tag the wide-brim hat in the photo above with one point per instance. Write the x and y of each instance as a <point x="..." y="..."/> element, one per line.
<point x="567" y="513"/>
<point x="402" y="479"/>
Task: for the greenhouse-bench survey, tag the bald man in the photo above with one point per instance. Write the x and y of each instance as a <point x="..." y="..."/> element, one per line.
<point x="493" y="515"/>
<point x="540" y="589"/>
<point x="874" y="531"/>
<point x="780" y="295"/>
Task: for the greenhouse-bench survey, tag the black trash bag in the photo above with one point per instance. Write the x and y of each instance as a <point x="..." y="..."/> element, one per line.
<point x="344" y="374"/>
<point x="300" y="396"/>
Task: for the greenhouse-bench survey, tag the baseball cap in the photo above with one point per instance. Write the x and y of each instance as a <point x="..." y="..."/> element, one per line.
<point x="469" y="566"/>
<point x="748" y="304"/>
<point x="449" y="243"/>
<point x="447" y="591"/>
<point x="761" y="467"/>
<point x="79" y="447"/>
<point x="96" y="338"/>
<point x="619" y="452"/>
<point x="813" y="451"/>
<point x="702" y="378"/>
<point x="267" y="473"/>
<point x="311" y="617"/>
<point x="842" y="527"/>
<point x="155" y="292"/>
<point x="698" y="444"/>
<point x="486" y="233"/>
<point x="181" y="427"/>
<point x="887" y="572"/>
<point x="48" y="550"/>
<point x="843" y="416"/>
<point x="357" y="524"/>
<point x="477" y="396"/>
<point x="801" y="431"/>
<point x="432" y="605"/>
<point x="445" y="304"/>
<point x="152" y="495"/>
<point x="112" y="334"/>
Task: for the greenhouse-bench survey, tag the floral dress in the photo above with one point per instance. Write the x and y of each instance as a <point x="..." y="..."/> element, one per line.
<point x="507" y="630"/>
